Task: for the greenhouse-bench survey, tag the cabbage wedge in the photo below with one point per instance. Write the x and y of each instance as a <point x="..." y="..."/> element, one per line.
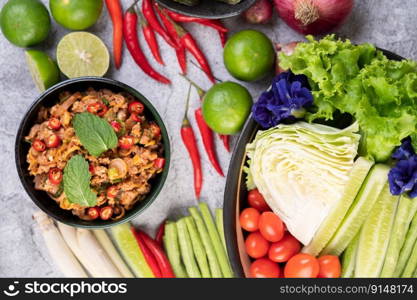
<point x="302" y="169"/>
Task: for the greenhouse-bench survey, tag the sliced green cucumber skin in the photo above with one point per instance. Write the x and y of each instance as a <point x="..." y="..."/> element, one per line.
<point x="329" y="226"/>
<point x="349" y="258"/>
<point x="375" y="236"/>
<point x="359" y="210"/>
<point x="401" y="225"/>
<point x="411" y="266"/>
<point x="406" y="250"/>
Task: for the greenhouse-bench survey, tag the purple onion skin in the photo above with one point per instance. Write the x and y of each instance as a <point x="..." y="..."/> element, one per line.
<point x="259" y="13"/>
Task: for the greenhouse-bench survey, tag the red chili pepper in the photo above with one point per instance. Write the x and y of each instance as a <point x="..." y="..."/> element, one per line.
<point x="150" y="38"/>
<point x="55" y="176"/>
<point x="130" y="33"/>
<point x="136" y="107"/>
<point x="150" y="16"/>
<point x="177" y="17"/>
<point x="160" y="233"/>
<point x="149" y="256"/>
<point x="223" y="38"/>
<point x="159" y="163"/>
<point x="188" y="138"/>
<point x="97" y="108"/>
<point x="52" y="141"/>
<point x="159" y="254"/>
<point x="112" y="191"/>
<point x="207" y="136"/>
<point x="136" y="118"/>
<point x="180" y="51"/>
<point x="54" y="123"/>
<point x="106" y="212"/>
<point x="116" y="14"/>
<point x="93" y="212"/>
<point x="226" y="141"/>
<point x="126" y="142"/>
<point x="116" y="126"/>
<point x="39" y="145"/>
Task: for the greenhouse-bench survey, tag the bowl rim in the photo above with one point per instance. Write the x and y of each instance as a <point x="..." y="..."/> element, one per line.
<point x="234" y="187"/>
<point x="111" y="82"/>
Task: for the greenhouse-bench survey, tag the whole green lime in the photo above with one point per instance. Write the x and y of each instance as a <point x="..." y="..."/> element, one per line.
<point x="249" y="55"/>
<point x="25" y="22"/>
<point x="226" y="107"/>
<point x="76" y="14"/>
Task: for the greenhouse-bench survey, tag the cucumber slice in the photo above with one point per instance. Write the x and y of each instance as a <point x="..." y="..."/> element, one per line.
<point x="411" y="266"/>
<point x="375" y="236"/>
<point x="406" y="250"/>
<point x="331" y="223"/>
<point x="401" y="225"/>
<point x="349" y="258"/>
<point x="359" y="210"/>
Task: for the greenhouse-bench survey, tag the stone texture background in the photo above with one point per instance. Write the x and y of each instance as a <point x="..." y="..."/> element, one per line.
<point x="389" y="24"/>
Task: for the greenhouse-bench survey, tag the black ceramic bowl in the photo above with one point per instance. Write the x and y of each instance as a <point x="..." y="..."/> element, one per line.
<point x="49" y="98"/>
<point x="235" y="195"/>
<point x="209" y="9"/>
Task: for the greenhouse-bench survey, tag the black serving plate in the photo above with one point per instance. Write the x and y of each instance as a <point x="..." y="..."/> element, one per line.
<point x="209" y="9"/>
<point x="235" y="195"/>
<point x="49" y="98"/>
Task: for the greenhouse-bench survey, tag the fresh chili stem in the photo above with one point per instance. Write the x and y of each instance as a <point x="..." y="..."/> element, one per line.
<point x="116" y="14"/>
<point x="130" y="33"/>
<point x="160" y="233"/>
<point x="180" y="51"/>
<point x="149" y="256"/>
<point x="150" y="37"/>
<point x="200" y="91"/>
<point x="215" y="24"/>
<point x="159" y="254"/>
<point x="149" y="13"/>
<point x="189" y="140"/>
<point x="208" y="142"/>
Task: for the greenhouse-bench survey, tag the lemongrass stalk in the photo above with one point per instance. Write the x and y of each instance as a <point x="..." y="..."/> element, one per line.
<point x="58" y="249"/>
<point x="114" y="255"/>
<point x="69" y="234"/>
<point x="96" y="254"/>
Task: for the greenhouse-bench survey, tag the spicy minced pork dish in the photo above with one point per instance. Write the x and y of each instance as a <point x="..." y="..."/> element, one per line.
<point x="95" y="153"/>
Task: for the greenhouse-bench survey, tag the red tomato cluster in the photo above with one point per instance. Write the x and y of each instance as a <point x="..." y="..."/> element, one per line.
<point x="275" y="251"/>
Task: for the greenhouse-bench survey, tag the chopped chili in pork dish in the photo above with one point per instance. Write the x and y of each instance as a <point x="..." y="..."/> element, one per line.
<point x="95" y="153"/>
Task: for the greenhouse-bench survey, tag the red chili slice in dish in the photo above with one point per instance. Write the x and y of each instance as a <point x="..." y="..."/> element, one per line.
<point x="93" y="212"/>
<point x="55" y="175"/>
<point x="53" y="141"/>
<point x="159" y="162"/>
<point x="39" y="145"/>
<point x="106" y="213"/>
<point x="112" y="191"/>
<point x="54" y="123"/>
<point x="136" y="107"/>
<point x="126" y="142"/>
<point x="116" y="126"/>
<point x="97" y="108"/>
<point x="136" y="118"/>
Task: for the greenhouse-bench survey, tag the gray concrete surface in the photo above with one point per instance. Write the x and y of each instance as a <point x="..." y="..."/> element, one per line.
<point x="389" y="24"/>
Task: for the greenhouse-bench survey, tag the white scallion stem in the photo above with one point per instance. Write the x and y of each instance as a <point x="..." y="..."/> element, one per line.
<point x="58" y="249"/>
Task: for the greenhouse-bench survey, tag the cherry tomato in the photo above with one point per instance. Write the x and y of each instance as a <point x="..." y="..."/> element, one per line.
<point x="159" y="163"/>
<point x="39" y="145"/>
<point x="136" y="118"/>
<point x="264" y="268"/>
<point x="53" y="141"/>
<point x="256" y="200"/>
<point x="302" y="265"/>
<point x="271" y="226"/>
<point x="329" y="267"/>
<point x="54" y="123"/>
<point x="126" y="142"/>
<point x="93" y="212"/>
<point x="97" y="108"/>
<point x="55" y="175"/>
<point x="284" y="249"/>
<point x="256" y="245"/>
<point x="106" y="212"/>
<point x="116" y="126"/>
<point x="136" y="107"/>
<point x="112" y="191"/>
<point x="155" y="129"/>
<point x="249" y="219"/>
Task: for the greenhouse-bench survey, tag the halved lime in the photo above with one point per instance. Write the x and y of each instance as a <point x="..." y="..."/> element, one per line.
<point x="82" y="54"/>
<point x="43" y="69"/>
<point x="128" y="246"/>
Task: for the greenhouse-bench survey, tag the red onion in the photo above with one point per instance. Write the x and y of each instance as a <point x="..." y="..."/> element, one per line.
<point x="259" y="13"/>
<point x="313" y="16"/>
<point x="287" y="49"/>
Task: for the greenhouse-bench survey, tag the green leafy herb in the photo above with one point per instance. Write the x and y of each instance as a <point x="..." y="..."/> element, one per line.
<point x="95" y="133"/>
<point x="77" y="182"/>
<point x="105" y="101"/>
